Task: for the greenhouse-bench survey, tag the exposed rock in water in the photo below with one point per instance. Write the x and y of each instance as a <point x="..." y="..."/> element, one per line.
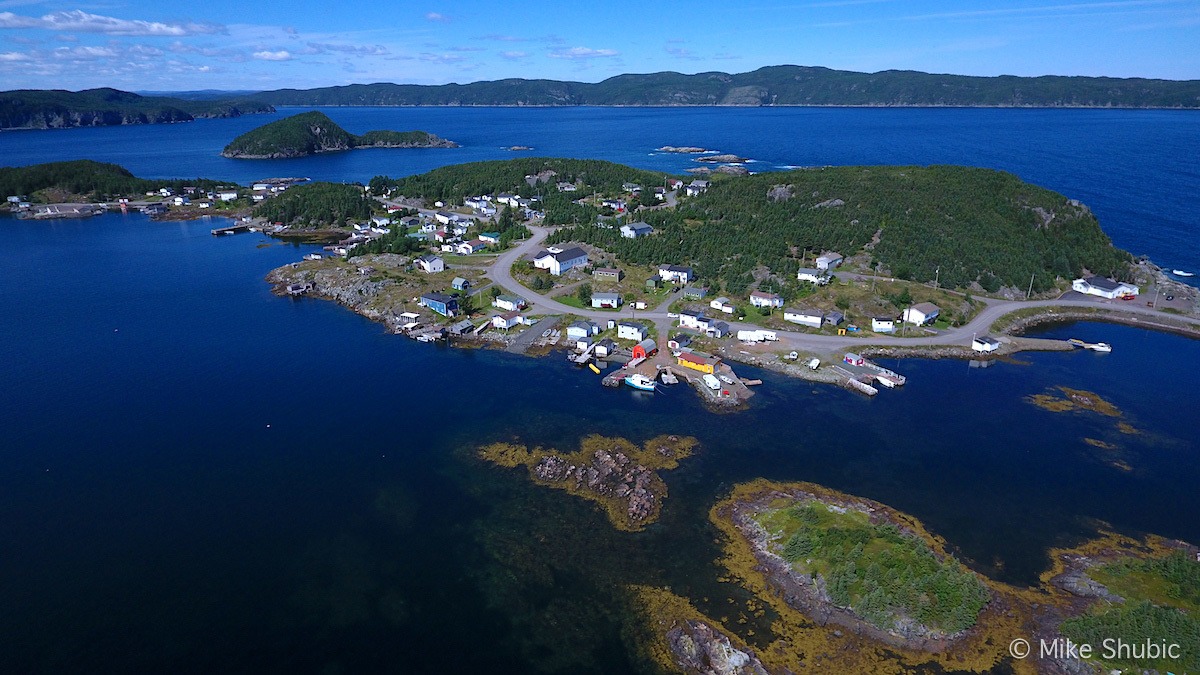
<point x="685" y="150"/>
<point x="721" y="159"/>
<point x="699" y="648"/>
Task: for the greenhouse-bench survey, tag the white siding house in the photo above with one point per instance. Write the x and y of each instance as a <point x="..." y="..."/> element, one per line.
<point x="804" y="317"/>
<point x="431" y="264"/>
<point x="829" y="260"/>
<point x="921" y="313"/>
<point x="635" y="230"/>
<point x="508" y="303"/>
<point x="560" y="262"/>
<point x="818" y="277"/>
<point x="762" y="299"/>
<point x="985" y="343"/>
<point x="631" y="330"/>
<point x="676" y="274"/>
<point x="722" y="304"/>
<point x="883" y="325"/>
<point x="1104" y="288"/>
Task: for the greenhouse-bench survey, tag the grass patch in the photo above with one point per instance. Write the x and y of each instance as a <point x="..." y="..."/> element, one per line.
<point x="884" y="575"/>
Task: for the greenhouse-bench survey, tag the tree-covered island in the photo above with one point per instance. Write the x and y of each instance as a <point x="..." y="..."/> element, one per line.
<point x="313" y="132"/>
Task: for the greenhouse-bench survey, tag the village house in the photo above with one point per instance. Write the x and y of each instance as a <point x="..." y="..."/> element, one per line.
<point x="722" y="304"/>
<point x="227" y="195"/>
<point x="631" y="187"/>
<point x="696" y="187"/>
<point x="431" y="264"/>
<point x="631" y="330"/>
<point x="1104" y="288"/>
<point x="607" y="274"/>
<point x="985" y="343"/>
<point x="564" y="186"/>
<point x="660" y="193"/>
<point x="561" y="261"/>
<point x="694" y="293"/>
<point x="764" y="299"/>
<point x="460" y="284"/>
<point x="606" y="300"/>
<point x="381" y="221"/>
<point x="693" y="320"/>
<point x="834" y="318"/>
<point x="717" y="329"/>
<point x="698" y="361"/>
<point x="676" y="274"/>
<point x="579" y="329"/>
<point x="813" y="318"/>
<point x="508" y="302"/>
<point x="476" y="202"/>
<point x="614" y="204"/>
<point x="829" y="260"/>
<point x="674" y="183"/>
<point x="182" y="201"/>
<point x="446" y="305"/>
<point x="443" y="217"/>
<point x="883" y="324"/>
<point x="679" y="341"/>
<point x="462" y="327"/>
<point x="506" y="320"/>
<point x="469" y="247"/>
<point x="921" y="313"/>
<point x="854" y="359"/>
<point x="635" y="230"/>
<point x="490" y="238"/>
<point x="441" y="236"/>
<point x="810" y="275"/>
<point x="605" y="348"/>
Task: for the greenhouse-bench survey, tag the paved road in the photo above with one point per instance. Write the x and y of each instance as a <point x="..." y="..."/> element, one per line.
<point x="962" y="336"/>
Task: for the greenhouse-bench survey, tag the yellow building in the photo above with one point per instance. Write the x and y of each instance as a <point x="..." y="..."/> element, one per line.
<point x="697" y="361"/>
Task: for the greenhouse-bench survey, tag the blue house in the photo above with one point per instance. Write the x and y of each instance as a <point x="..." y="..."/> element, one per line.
<point x="446" y="305"/>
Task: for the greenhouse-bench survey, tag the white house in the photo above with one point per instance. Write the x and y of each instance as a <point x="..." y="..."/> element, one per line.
<point x="431" y="264"/>
<point x="614" y="204"/>
<point x="921" y="313"/>
<point x="382" y="221"/>
<point x="804" y="317"/>
<point x="564" y="186"/>
<point x="676" y="274"/>
<point x="723" y="304"/>
<point x="227" y="195"/>
<point x="635" y="230"/>
<point x="562" y="261"/>
<point x="580" y="329"/>
<point x="1105" y="288"/>
<point x="693" y="320"/>
<point x="508" y="303"/>
<point x="506" y="320"/>
<point x="883" y="325"/>
<point x="606" y="300"/>
<point x="491" y="238"/>
<point x="443" y="217"/>
<point x="696" y="187"/>
<point x="764" y="299"/>
<point x="818" y="277"/>
<point x="829" y="260"/>
<point x="985" y="343"/>
<point x="182" y="201"/>
<point x="469" y="247"/>
<point x="631" y="330"/>
<point x="476" y="203"/>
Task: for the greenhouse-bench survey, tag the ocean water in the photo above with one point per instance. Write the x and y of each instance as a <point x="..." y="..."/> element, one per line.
<point x="200" y="476"/>
<point x="1135" y="168"/>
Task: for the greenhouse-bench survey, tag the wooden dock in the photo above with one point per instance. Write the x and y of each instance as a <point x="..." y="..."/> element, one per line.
<point x="232" y="229"/>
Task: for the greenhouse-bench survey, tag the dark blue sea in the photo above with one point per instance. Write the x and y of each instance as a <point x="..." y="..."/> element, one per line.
<point x="202" y="477"/>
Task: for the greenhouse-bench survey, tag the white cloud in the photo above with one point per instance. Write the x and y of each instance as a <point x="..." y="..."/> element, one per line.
<point x="12" y="57"/>
<point x="434" y="16"/>
<point x="281" y="55"/>
<point x="581" y="53"/>
<point x="83" y="22"/>
<point x="84" y="53"/>
<point x="514" y="55"/>
<point x="358" y="50"/>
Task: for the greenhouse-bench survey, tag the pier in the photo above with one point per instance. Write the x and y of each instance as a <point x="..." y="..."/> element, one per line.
<point x="232" y="229"/>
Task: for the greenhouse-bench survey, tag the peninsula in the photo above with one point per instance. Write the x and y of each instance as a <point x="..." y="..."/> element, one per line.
<point x="771" y="85"/>
<point x="57" y="109"/>
<point x="313" y="132"/>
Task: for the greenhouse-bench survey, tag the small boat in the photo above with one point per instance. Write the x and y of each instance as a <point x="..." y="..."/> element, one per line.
<point x="1102" y="347"/>
<point x="1181" y="273"/>
<point x="669" y="378"/>
<point x="885" y="381"/>
<point x="640" y="382"/>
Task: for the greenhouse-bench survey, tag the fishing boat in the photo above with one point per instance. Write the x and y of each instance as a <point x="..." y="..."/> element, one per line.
<point x="1181" y="273"/>
<point x="668" y="377"/>
<point x="1102" y="347"/>
<point x="640" y="382"/>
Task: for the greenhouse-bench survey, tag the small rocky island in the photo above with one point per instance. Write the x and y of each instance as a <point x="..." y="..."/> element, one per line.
<point x="313" y="132"/>
<point x="620" y="476"/>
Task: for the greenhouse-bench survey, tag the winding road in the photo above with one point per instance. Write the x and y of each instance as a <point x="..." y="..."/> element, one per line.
<point x="502" y="274"/>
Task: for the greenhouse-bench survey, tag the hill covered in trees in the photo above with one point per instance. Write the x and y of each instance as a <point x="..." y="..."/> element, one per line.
<point x="313" y="132"/>
<point x="84" y="177"/>
<point x="773" y="85"/>
<point x="59" y="109"/>
<point x="317" y="205"/>
<point x="955" y="224"/>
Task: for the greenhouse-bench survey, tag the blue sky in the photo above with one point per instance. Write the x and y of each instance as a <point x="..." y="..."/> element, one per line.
<point x="221" y="44"/>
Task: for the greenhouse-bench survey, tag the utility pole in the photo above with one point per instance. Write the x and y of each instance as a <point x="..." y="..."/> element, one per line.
<point x="1030" y="291"/>
<point x="937" y="276"/>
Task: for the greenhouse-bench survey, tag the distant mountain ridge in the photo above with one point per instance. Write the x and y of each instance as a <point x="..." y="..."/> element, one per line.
<point x="772" y="85"/>
<point x="59" y="109"/>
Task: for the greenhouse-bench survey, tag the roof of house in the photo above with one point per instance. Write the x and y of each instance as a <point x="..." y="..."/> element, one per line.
<point x="607" y="270"/>
<point x="697" y="357"/>
<point x="987" y="340"/>
<point x="813" y="272"/>
<point x="720" y="325"/>
<point x="829" y="255"/>
<point x="459" y="281"/>
<point x="606" y="296"/>
<point x="632" y="324"/>
<point x="804" y="311"/>
<point x="835" y="315"/>
<point x="1103" y="283"/>
<point x="428" y="258"/>
<point x="722" y="301"/>
<point x="639" y="226"/>
<point x="675" y="268"/>
<point x="926" y="308"/>
<point x="437" y="297"/>
<point x="510" y="298"/>
<point x="764" y="294"/>
<point x="507" y="316"/>
<point x="648" y="344"/>
<point x="883" y="319"/>
<point x="569" y="254"/>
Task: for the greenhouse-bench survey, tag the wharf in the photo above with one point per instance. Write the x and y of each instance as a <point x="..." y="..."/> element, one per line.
<point x="232" y="229"/>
